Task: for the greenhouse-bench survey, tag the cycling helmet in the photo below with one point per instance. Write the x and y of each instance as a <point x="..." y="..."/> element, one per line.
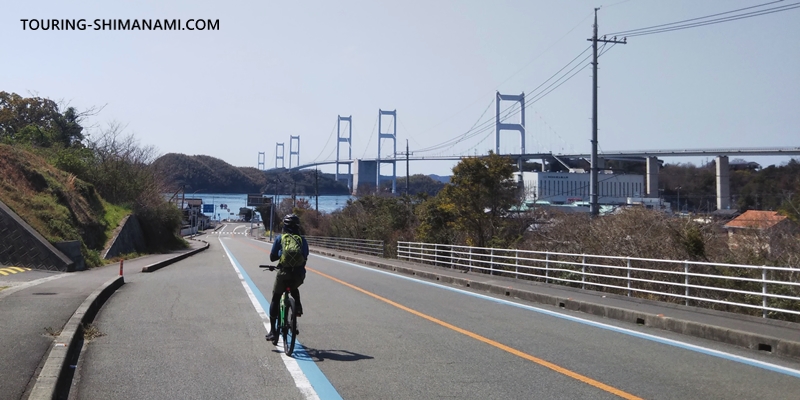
<point x="291" y="222"/>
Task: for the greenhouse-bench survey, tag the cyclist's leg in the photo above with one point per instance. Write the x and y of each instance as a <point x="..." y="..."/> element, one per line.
<point x="274" y="304"/>
<point x="299" y="277"/>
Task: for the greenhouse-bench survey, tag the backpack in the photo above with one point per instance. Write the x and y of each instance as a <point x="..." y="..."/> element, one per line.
<point x="292" y="251"/>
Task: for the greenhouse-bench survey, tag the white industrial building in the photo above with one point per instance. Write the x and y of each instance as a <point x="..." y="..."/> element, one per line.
<point x="570" y="187"/>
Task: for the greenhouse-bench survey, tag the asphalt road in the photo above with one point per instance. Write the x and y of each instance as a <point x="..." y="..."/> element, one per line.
<point x="191" y="330"/>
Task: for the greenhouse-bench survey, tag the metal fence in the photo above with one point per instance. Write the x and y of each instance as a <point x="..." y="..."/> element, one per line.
<point x="363" y="246"/>
<point x="774" y="291"/>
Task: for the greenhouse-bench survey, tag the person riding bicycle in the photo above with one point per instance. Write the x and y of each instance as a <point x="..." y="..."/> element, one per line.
<point x="291" y="249"/>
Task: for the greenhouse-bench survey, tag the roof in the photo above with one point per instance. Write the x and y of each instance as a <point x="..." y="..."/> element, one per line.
<point x="755" y="219"/>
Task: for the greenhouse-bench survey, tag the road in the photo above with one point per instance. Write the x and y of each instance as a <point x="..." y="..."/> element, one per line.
<point x="193" y="330"/>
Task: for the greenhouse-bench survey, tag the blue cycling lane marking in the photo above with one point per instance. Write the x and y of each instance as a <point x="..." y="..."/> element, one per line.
<point x="323" y="387"/>
<point x="669" y="342"/>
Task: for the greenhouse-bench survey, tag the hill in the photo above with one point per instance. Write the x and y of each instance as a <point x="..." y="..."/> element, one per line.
<point x="212" y="175"/>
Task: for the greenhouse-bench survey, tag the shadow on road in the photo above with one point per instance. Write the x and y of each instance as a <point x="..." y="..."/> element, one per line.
<point x="333" y="355"/>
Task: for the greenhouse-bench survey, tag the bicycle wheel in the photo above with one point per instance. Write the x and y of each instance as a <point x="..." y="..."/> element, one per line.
<point x="289" y="330"/>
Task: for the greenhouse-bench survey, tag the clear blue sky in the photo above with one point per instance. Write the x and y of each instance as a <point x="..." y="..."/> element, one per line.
<point x="276" y="69"/>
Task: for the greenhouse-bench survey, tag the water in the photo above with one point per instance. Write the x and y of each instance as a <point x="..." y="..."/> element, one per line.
<point x="235" y="201"/>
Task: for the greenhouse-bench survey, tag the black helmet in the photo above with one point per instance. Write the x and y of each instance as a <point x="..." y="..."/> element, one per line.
<point x="291" y="222"/>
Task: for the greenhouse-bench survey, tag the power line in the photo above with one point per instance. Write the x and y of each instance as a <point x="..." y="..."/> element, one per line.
<point x="514" y="74"/>
<point x="489" y="123"/>
<point x="680" y="25"/>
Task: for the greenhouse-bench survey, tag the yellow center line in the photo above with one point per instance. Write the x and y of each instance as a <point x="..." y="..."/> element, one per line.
<point x="554" y="367"/>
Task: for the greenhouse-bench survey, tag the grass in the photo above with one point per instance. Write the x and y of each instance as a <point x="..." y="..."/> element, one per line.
<point x="91" y="332"/>
<point x="4" y="287"/>
<point x="55" y="203"/>
<point x="52" y="332"/>
<point x="113" y="216"/>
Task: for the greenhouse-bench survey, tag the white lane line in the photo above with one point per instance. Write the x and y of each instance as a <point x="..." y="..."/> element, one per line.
<point x="300" y="379"/>
<point x="671" y="342"/>
<point x="17" y="288"/>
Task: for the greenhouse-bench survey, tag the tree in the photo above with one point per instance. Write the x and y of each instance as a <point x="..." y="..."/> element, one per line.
<point x="39" y="121"/>
<point x="480" y="194"/>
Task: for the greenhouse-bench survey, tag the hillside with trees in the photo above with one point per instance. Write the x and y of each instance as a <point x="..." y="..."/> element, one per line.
<point x="212" y="175"/>
<point x="69" y="186"/>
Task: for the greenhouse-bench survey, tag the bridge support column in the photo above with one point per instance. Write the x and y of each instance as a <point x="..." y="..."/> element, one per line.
<point x="279" y="153"/>
<point x="723" y="183"/>
<point x="652" y="177"/>
<point x="349" y="140"/>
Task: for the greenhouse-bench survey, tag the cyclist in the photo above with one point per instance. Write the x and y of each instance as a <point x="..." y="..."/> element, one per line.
<point x="285" y="278"/>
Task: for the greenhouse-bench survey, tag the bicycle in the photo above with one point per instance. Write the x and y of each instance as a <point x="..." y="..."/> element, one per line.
<point x="287" y="318"/>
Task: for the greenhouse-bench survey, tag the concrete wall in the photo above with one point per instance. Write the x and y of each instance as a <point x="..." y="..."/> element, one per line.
<point x="21" y="245"/>
<point x="128" y="238"/>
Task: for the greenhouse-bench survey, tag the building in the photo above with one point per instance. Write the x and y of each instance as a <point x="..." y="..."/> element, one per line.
<point x="568" y="188"/>
<point x="757" y="230"/>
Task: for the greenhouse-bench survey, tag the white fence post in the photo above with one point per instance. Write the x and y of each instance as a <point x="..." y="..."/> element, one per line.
<point x="491" y="262"/>
<point x="470" y="259"/>
<point x="436" y="254"/>
<point x="547" y="268"/>
<point x="686" y="280"/>
<point x="629" y="277"/>
<point x="583" y="273"/>
<point x="764" y="292"/>
<point x="516" y="261"/>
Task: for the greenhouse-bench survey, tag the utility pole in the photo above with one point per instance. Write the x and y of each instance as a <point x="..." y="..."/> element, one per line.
<point x="593" y="185"/>
<point x="316" y="188"/>
<point x="407" y="153"/>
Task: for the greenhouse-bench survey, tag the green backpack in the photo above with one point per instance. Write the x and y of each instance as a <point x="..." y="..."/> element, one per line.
<point x="292" y="251"/>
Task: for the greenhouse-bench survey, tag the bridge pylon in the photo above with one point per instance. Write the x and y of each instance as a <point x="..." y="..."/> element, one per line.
<point x="390" y="136"/>
<point x="500" y="126"/>
<point x="294" y="151"/>
<point x="261" y="160"/>
<point x="279" y="153"/>
<point x="349" y="140"/>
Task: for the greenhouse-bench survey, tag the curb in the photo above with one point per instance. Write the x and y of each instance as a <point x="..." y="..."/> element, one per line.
<point x="56" y="375"/>
<point x="752" y="341"/>
<point x="162" y="264"/>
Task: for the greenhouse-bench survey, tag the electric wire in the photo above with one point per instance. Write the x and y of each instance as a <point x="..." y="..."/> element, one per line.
<point x="680" y="25"/>
<point x="514" y="74"/>
<point x="691" y="19"/>
<point x="479" y="128"/>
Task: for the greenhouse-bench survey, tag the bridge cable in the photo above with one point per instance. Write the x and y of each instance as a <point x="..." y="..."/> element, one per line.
<point x="333" y="130"/>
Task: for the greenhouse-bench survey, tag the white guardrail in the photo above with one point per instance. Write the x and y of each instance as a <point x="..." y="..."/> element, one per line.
<point x="731" y="287"/>
<point x="363" y="246"/>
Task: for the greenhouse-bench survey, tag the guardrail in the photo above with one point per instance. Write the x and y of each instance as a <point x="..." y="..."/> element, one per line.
<point x="729" y="287"/>
<point x="363" y="246"/>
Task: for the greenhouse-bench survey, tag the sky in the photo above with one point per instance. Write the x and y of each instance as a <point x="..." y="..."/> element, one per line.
<point x="278" y="69"/>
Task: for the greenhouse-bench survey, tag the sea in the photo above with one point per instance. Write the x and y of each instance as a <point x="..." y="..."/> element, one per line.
<point x="226" y="205"/>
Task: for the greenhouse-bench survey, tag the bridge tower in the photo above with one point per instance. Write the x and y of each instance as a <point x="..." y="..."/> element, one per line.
<point x="279" y="153"/>
<point x="293" y="151"/>
<point x="349" y="141"/>
<point x="500" y="126"/>
<point x="261" y="159"/>
<point x="390" y="136"/>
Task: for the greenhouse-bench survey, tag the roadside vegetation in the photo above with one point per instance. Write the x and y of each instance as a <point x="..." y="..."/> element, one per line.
<point x="72" y="186"/>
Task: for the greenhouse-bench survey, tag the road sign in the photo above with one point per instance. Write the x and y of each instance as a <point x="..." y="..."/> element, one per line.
<point x="254" y="200"/>
<point x="208" y="208"/>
